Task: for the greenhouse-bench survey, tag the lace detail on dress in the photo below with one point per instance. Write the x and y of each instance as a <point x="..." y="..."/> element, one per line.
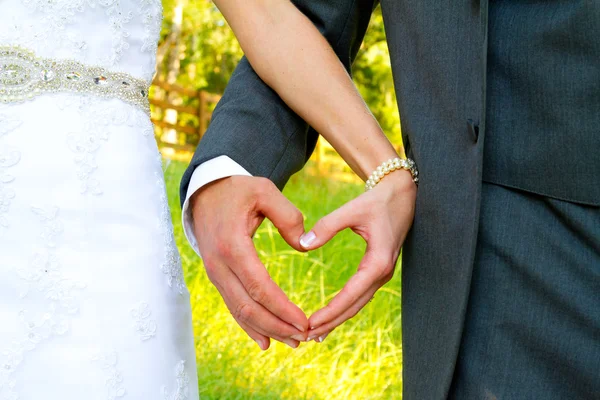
<point x="51" y="31"/>
<point x="181" y="392"/>
<point x="40" y="36"/>
<point x="171" y="266"/>
<point x="152" y="14"/>
<point x="60" y="294"/>
<point x="117" y="20"/>
<point x="44" y="271"/>
<point x="98" y="119"/>
<point x="144" y="326"/>
<point x="114" y="379"/>
<point x="58" y="14"/>
<point x="85" y="144"/>
<point x="140" y="121"/>
<point x="9" y="157"/>
<point x="97" y="32"/>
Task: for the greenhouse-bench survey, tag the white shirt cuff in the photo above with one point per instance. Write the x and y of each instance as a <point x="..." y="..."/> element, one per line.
<point x="210" y="171"/>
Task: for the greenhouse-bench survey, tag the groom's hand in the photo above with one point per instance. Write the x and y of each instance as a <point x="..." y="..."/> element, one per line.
<point x="226" y="214"/>
<point x="383" y="217"/>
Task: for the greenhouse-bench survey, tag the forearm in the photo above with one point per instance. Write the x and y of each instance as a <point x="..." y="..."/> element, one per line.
<point x="253" y="126"/>
<point x="291" y="56"/>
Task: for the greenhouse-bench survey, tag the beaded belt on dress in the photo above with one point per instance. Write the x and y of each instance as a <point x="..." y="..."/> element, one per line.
<point x="24" y="76"/>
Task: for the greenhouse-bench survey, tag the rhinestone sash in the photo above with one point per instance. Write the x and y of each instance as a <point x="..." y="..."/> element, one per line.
<point x="24" y="76"/>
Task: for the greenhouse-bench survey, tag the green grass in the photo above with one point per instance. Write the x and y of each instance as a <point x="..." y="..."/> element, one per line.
<point x="360" y="360"/>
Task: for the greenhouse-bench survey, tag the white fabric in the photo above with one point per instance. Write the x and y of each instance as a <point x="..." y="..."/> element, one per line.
<point x="210" y="171"/>
<point x="121" y="35"/>
<point x="92" y="299"/>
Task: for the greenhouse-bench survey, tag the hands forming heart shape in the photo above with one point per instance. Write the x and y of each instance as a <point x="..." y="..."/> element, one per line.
<point x="228" y="212"/>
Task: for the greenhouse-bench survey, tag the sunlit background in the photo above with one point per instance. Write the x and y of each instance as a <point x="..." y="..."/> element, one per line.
<point x="361" y="359"/>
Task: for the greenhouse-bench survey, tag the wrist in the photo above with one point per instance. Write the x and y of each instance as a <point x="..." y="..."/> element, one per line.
<point x="400" y="182"/>
<point x="196" y="199"/>
<point x="364" y="148"/>
<point x="398" y="186"/>
<point x="374" y="159"/>
<point x="405" y="181"/>
<point x="389" y="167"/>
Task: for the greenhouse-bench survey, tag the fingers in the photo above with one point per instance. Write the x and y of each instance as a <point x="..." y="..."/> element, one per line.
<point x="327" y="227"/>
<point x="354" y="289"/>
<point x="319" y="334"/>
<point x="256" y="320"/>
<point x="375" y="217"/>
<point x="264" y="342"/>
<point x="382" y="218"/>
<point x="281" y="212"/>
<point x="263" y="290"/>
<point x="226" y="213"/>
<point x="371" y="275"/>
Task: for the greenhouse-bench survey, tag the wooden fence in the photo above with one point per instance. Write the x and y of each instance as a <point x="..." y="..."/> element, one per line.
<point x="198" y="114"/>
<point x="325" y="160"/>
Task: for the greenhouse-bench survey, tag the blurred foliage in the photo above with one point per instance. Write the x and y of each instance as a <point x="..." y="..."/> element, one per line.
<point x="209" y="53"/>
<point x="209" y="49"/>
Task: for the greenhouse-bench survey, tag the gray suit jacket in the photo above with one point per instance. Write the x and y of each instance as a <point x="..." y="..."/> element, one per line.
<point x="541" y="68"/>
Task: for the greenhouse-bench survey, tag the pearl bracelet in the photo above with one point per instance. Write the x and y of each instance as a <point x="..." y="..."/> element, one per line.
<point x="392" y="165"/>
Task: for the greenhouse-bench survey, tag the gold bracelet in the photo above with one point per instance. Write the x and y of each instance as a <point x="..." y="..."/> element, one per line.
<point x="392" y="165"/>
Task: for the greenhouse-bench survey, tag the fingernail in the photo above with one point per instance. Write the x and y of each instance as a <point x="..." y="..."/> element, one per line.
<point x="291" y="343"/>
<point x="299" y="338"/>
<point x="300" y="328"/>
<point x="260" y="344"/>
<point x="320" y="339"/>
<point x="311" y="338"/>
<point x="307" y="239"/>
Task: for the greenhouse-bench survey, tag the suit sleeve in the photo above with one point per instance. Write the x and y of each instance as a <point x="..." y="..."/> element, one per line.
<point x="253" y="126"/>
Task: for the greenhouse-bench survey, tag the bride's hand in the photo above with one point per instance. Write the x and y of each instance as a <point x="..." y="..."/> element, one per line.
<point x="382" y="217"/>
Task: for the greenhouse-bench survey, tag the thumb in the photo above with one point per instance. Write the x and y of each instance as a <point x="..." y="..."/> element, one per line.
<point x="282" y="213"/>
<point x="327" y="227"/>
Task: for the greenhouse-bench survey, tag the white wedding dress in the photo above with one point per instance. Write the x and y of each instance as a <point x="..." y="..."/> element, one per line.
<point x="93" y="305"/>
